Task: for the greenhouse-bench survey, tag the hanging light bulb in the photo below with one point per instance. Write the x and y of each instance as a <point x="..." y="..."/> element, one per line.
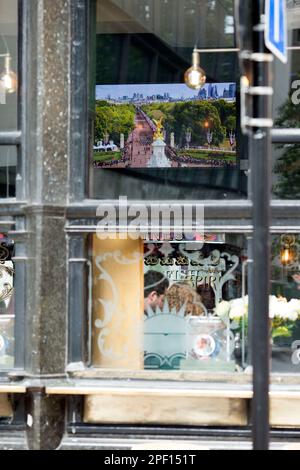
<point x="288" y="252"/>
<point x="8" y="77"/>
<point x="285" y="256"/>
<point x="195" y="77"/>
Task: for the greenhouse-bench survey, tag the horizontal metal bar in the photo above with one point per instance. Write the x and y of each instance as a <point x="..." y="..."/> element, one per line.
<point x="235" y="49"/>
<point x="216" y="50"/>
<point x="191" y="431"/>
<point x="285" y="209"/>
<point x="257" y="56"/>
<point x="258" y="122"/>
<point x="260" y="91"/>
<point x="6" y="223"/>
<point x="285" y="136"/>
<point x="10" y="138"/>
<point x="219" y="216"/>
<point x="217" y="209"/>
<point x="209" y="227"/>
<point x="11" y="207"/>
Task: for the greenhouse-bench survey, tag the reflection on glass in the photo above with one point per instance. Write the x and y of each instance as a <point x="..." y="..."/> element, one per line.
<point x="286" y="158"/>
<point x="8" y="162"/>
<point x="286" y="171"/>
<point x="8" y="79"/>
<point x="285" y="303"/>
<point x="8" y="64"/>
<point x="7" y="313"/>
<point x="287" y="76"/>
<point x="143" y="44"/>
<point x="164" y="305"/>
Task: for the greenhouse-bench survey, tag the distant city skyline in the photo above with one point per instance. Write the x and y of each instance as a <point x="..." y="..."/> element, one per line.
<point x="174" y="91"/>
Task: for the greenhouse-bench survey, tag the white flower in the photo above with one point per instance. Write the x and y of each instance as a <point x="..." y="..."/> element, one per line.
<point x="293" y="315"/>
<point x="281" y="308"/>
<point x="273" y="306"/>
<point x="222" y="309"/>
<point x="295" y="305"/>
<point x="239" y="308"/>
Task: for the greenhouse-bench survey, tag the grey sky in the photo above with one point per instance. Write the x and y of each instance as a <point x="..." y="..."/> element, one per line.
<point x="176" y="90"/>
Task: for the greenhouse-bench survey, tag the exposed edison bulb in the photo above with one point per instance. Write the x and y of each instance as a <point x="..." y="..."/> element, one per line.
<point x="8" y="77"/>
<point x="288" y="252"/>
<point x="195" y="77"/>
<point x="286" y="256"/>
<point x="245" y="81"/>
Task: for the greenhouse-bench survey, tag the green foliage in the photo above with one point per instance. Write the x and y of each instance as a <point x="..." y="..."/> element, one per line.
<point x="113" y="120"/>
<point x="284" y="331"/>
<point x="207" y="155"/>
<point x="287" y="166"/>
<point x="181" y="116"/>
<point x="177" y="117"/>
<point x="227" y="113"/>
<point x="106" y="156"/>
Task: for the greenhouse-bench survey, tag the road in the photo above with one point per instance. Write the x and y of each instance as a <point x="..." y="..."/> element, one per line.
<point x="139" y="143"/>
<point x="138" y="148"/>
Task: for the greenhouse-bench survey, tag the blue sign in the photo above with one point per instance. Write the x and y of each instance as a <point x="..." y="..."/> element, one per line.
<point x="276" y="29"/>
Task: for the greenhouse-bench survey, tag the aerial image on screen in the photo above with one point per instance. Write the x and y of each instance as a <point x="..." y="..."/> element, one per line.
<point x="164" y="126"/>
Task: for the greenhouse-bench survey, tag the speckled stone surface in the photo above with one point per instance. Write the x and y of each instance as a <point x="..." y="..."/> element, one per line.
<point x="46" y="327"/>
<point x="56" y="15"/>
<point x="48" y="191"/>
<point x="45" y="420"/>
<point x="47" y="147"/>
<point x="49" y="99"/>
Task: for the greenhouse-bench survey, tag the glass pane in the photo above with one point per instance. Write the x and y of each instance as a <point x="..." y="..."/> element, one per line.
<point x="8" y="163"/>
<point x="154" y="137"/>
<point x="8" y="64"/>
<point x="286" y="171"/>
<point x="287" y="76"/>
<point x="285" y="303"/>
<point x="7" y="312"/>
<point x="164" y="305"/>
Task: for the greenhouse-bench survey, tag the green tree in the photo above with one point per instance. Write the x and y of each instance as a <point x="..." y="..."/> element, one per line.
<point x="287" y="167"/>
<point x="113" y="120"/>
<point x="192" y="115"/>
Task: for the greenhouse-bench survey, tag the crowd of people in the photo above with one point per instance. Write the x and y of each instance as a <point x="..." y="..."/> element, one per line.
<point x="171" y="153"/>
<point x="125" y="158"/>
<point x="146" y="140"/>
<point x="210" y="162"/>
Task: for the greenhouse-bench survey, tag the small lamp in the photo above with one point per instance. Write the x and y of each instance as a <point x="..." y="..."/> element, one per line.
<point x="8" y="78"/>
<point x="288" y="252"/>
<point x="195" y="77"/>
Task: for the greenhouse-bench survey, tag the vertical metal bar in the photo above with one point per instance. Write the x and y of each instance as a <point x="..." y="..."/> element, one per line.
<point x="261" y="189"/>
<point x="250" y="298"/>
<point x="22" y="71"/>
<point x="79" y="100"/>
<point x="20" y="259"/>
<point x="78" y="297"/>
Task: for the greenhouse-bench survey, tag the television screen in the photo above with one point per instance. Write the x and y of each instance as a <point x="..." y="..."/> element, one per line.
<point x="165" y="126"/>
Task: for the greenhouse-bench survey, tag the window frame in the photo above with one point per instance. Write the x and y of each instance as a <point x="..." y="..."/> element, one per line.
<point x="230" y="215"/>
<point x="13" y="208"/>
<point x="80" y="213"/>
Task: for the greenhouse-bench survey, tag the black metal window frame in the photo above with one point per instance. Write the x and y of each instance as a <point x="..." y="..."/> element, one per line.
<point x="225" y="216"/>
<point x="229" y="216"/>
<point x="12" y="214"/>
